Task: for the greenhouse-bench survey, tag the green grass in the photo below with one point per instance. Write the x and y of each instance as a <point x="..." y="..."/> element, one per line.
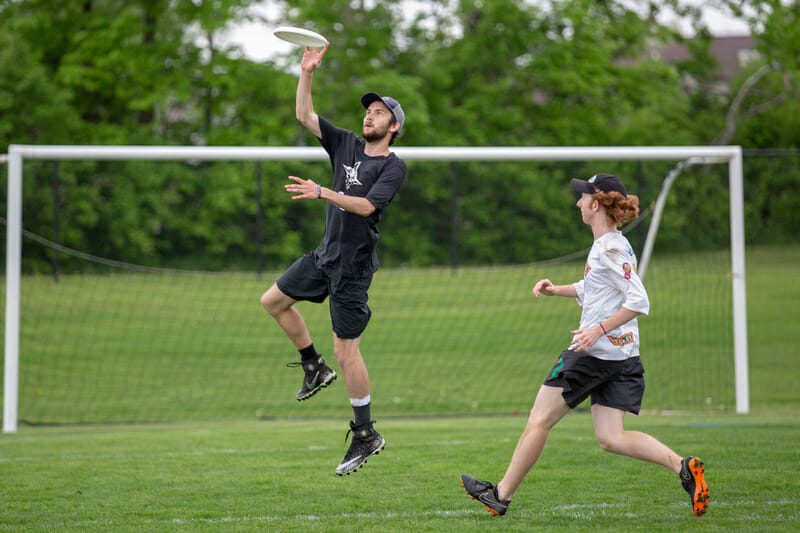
<point x="773" y="309"/>
<point x="144" y="348"/>
<point x="278" y="476"/>
<point x="451" y="357"/>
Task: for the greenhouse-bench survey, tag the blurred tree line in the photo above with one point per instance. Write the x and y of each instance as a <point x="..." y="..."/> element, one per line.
<point x="468" y="73"/>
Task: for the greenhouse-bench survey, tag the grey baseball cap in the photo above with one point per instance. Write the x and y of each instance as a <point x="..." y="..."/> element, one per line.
<point x="393" y="105"/>
<point x="599" y="182"/>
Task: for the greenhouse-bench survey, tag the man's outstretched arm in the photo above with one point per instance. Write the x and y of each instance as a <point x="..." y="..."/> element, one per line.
<point x="304" y="105"/>
<point x="308" y="190"/>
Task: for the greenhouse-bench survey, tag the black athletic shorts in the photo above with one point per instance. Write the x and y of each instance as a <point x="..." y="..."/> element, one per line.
<point x="616" y="384"/>
<point x="348" y="296"/>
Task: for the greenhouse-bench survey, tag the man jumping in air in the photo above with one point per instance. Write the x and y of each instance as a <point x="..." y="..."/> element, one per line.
<point x="366" y="176"/>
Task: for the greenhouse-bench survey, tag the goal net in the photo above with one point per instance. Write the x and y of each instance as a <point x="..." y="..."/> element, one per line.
<point x="102" y="340"/>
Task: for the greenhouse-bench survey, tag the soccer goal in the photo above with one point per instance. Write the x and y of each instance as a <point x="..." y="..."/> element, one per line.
<point x="458" y="324"/>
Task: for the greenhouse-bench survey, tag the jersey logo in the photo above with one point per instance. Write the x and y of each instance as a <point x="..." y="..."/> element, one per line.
<point x="351" y="175"/>
<point x="587" y="269"/>
<point x="627" y="338"/>
<point x="626" y="270"/>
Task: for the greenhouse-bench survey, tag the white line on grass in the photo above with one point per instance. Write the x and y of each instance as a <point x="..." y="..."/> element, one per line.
<point x="319" y="518"/>
<point x="585" y="512"/>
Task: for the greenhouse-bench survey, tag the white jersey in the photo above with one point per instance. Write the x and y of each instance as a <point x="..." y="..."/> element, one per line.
<point x="610" y="282"/>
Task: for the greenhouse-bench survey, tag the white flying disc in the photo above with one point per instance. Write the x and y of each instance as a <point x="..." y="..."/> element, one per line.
<point x="301" y="36"/>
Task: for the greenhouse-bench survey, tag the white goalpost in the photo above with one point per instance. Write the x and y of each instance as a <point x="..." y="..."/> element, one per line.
<point x="686" y="155"/>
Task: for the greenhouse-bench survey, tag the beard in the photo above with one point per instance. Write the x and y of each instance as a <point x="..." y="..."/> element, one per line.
<point x="376" y="134"/>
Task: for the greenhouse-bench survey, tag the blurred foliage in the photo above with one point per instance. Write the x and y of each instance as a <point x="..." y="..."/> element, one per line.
<point x="468" y="73"/>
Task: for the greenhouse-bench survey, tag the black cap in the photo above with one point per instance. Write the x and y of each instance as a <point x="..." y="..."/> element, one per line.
<point x="599" y="183"/>
<point x="393" y="105"/>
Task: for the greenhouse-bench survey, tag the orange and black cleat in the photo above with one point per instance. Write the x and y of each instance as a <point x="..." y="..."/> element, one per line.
<point x="694" y="483"/>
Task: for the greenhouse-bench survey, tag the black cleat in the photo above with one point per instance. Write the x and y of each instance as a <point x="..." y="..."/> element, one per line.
<point x="318" y="375"/>
<point x="486" y="493"/>
<point x="694" y="483"/>
<point x="366" y="442"/>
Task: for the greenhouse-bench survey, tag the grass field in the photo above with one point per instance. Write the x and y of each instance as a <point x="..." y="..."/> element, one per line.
<point x="262" y="468"/>
<point x="125" y="347"/>
<point x="278" y="476"/>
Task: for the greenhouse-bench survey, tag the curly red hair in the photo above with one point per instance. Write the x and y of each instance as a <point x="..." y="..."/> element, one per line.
<point x="621" y="209"/>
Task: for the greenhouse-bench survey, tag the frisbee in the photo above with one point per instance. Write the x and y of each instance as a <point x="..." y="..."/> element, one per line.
<point x="301" y="36"/>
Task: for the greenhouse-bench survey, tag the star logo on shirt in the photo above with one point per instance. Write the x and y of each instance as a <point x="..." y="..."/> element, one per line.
<point x="351" y="175"/>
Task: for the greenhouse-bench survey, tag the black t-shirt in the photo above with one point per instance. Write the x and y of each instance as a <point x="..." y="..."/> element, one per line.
<point x="348" y="247"/>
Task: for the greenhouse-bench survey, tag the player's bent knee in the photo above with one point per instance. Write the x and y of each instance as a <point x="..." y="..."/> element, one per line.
<point x="275" y="302"/>
<point x="268" y="303"/>
<point x="608" y="443"/>
<point x="346" y="351"/>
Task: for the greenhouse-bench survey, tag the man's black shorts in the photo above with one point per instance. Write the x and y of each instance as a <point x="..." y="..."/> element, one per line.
<point x="616" y="384"/>
<point x="348" y="304"/>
